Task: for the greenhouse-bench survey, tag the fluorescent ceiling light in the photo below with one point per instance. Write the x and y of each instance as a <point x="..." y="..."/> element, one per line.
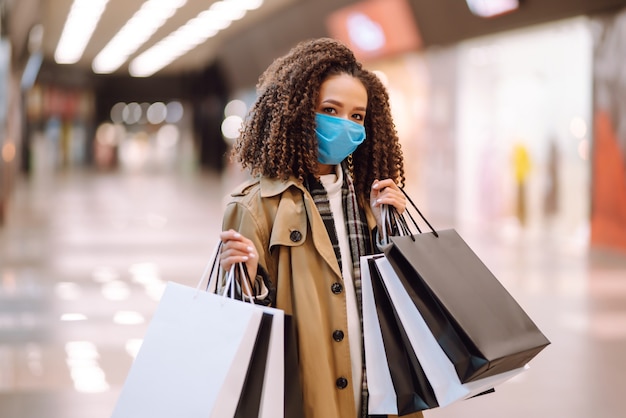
<point x="139" y="28"/>
<point x="492" y="8"/>
<point x="81" y="22"/>
<point x="193" y="33"/>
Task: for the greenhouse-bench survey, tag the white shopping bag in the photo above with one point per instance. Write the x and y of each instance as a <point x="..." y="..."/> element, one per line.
<point x="272" y="397"/>
<point x="381" y="393"/>
<point x="197" y="343"/>
<point x="437" y="366"/>
<point x="195" y="356"/>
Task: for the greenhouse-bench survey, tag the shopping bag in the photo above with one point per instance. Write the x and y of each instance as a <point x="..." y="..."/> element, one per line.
<point x="293" y="400"/>
<point x="437" y="366"/>
<point x="195" y="353"/>
<point x="381" y="393"/>
<point x="479" y="325"/>
<point x="281" y="387"/>
<point x="207" y="355"/>
<point x="397" y="384"/>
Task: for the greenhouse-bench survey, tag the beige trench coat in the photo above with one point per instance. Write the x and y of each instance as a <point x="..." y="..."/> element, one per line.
<point x="293" y="245"/>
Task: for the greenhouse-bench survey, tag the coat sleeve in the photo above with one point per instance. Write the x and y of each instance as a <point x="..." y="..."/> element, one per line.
<point x="241" y="218"/>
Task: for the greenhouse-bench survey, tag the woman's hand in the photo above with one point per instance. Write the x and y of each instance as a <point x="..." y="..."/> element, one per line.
<point x="386" y="192"/>
<point x="238" y="249"/>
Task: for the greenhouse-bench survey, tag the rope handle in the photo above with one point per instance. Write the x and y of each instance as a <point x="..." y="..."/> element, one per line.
<point x="392" y="218"/>
<point x="211" y="274"/>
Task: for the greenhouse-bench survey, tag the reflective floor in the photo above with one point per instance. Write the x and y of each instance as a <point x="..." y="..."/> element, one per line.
<point x="84" y="258"/>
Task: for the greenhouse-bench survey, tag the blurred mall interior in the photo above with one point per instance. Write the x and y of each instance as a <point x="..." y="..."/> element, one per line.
<point x="114" y="169"/>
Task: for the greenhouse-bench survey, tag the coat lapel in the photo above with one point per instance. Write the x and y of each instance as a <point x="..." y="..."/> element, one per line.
<point x="295" y="206"/>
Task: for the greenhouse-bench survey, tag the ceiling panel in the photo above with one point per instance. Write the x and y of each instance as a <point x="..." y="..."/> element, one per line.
<point x="52" y="14"/>
<point x="247" y="47"/>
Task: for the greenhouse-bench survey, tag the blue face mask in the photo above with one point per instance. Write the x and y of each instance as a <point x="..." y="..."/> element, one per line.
<point x="336" y="138"/>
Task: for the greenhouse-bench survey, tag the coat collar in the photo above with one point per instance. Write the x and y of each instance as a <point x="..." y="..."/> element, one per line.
<point x="286" y="211"/>
<point x="273" y="187"/>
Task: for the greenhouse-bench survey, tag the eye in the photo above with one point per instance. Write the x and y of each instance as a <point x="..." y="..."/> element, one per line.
<point x="358" y="116"/>
<point x="329" y="110"/>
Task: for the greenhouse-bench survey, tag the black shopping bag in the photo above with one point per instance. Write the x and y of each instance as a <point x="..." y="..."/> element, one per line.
<point x="293" y="401"/>
<point x="251" y="393"/>
<point x="477" y="322"/>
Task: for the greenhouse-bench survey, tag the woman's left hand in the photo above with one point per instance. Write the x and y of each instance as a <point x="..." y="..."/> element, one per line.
<point x="386" y="192"/>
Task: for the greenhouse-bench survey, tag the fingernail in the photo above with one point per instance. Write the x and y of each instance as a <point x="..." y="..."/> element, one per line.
<point x="250" y="249"/>
<point x="237" y="235"/>
<point x="378" y="200"/>
<point x="251" y="255"/>
<point x="245" y="258"/>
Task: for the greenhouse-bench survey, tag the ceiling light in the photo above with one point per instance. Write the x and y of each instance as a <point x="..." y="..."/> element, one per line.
<point x="139" y="28"/>
<point x="250" y="4"/>
<point x="492" y="8"/>
<point x="81" y="22"/>
<point x="196" y="31"/>
<point x="229" y="10"/>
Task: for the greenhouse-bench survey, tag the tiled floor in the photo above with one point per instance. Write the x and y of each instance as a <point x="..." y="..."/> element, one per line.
<point x="84" y="257"/>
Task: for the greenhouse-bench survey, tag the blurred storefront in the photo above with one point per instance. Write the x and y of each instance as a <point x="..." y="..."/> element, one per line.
<point x="608" y="201"/>
<point x="523" y="131"/>
<point x="496" y="130"/>
<point x="9" y="114"/>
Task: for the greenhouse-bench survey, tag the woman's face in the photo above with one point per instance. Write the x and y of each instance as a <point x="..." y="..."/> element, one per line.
<point x="343" y="96"/>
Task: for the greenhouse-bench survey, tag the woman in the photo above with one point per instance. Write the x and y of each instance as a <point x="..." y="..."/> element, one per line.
<point x="321" y="146"/>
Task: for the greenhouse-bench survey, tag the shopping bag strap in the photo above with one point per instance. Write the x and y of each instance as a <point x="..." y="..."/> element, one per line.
<point x="395" y="221"/>
<point x="418" y="212"/>
<point x="210" y="272"/>
<point x="238" y="271"/>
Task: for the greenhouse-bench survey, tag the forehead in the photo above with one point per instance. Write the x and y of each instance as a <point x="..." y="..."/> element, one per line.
<point x="343" y="87"/>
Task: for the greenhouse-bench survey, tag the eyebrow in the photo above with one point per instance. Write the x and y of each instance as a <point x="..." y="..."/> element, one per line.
<point x="338" y="103"/>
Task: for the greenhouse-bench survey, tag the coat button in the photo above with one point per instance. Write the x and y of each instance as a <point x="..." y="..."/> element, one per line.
<point x="342" y="383"/>
<point x="338" y="335"/>
<point x="295" y="236"/>
<point x="336" y="288"/>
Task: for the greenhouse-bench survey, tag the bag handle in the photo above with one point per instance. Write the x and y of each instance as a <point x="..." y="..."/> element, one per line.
<point x="391" y="217"/>
<point x="418" y="212"/>
<point x="211" y="271"/>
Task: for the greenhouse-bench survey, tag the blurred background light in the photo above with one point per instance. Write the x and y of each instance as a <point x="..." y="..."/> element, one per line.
<point x="167" y="136"/>
<point x="117" y="112"/>
<point x="137" y="30"/>
<point x="67" y="290"/>
<point x="103" y="274"/>
<point x="128" y="318"/>
<point x="8" y="151"/>
<point x="206" y="24"/>
<point x="132" y="346"/>
<point x="70" y="317"/>
<point x="492" y="8"/>
<point x="236" y="108"/>
<point x="157" y="112"/>
<point x="578" y="127"/>
<point x="82" y="360"/>
<point x="81" y="22"/>
<point x="231" y="126"/>
<point x="131" y="113"/>
<point x="174" y="112"/>
<point x="115" y="290"/>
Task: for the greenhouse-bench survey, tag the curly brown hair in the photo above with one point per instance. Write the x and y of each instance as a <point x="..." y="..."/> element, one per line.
<point x="278" y="138"/>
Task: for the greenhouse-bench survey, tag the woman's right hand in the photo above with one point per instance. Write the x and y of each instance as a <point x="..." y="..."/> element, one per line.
<point x="238" y="249"/>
